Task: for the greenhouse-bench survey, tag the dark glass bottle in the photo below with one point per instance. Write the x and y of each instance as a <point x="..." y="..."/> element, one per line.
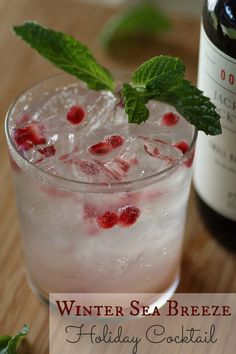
<point x="215" y="165"/>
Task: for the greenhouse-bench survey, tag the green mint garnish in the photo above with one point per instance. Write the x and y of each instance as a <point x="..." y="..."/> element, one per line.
<point x="66" y="53"/>
<point x="9" y="344"/>
<point x="158" y="74"/>
<point x="160" y="78"/>
<point x="134" y="104"/>
<point x="141" y="19"/>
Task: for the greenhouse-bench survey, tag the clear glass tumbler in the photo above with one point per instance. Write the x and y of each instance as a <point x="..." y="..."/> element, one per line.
<point x="63" y="248"/>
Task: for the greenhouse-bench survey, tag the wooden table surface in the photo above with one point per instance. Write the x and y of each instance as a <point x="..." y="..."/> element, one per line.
<point x="206" y="267"/>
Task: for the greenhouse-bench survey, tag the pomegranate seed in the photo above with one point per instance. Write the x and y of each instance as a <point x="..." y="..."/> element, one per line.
<point x="48" y="151"/>
<point x="115" y="141"/>
<point x="170" y="119"/>
<point x="29" y="136"/>
<point x="183" y="146"/>
<point x="124" y="165"/>
<point x="89" y="168"/>
<point x="101" y="148"/>
<point x="63" y="157"/>
<point x="38" y="161"/>
<point x="155" y="152"/>
<point x="35" y="134"/>
<point x="190" y="160"/>
<point x="21" y="138"/>
<point x="75" y="115"/>
<point x="107" y="220"/>
<point x="128" y="216"/>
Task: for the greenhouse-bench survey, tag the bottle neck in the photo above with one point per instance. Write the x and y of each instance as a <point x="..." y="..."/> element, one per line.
<point x="219" y="21"/>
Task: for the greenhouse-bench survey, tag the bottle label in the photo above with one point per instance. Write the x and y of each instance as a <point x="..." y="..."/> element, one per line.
<point x="215" y="164"/>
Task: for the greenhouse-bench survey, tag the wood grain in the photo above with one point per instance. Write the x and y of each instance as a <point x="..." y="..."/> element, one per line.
<point x="206" y="266"/>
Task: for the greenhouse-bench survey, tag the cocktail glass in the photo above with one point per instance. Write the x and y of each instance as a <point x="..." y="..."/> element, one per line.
<point x="65" y="248"/>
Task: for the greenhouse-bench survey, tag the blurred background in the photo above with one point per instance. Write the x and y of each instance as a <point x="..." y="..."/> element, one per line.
<point x="85" y="19"/>
<point x="192" y="7"/>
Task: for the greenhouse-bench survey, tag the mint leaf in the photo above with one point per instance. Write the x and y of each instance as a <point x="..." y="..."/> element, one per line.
<point x="66" y="53"/>
<point x="159" y="74"/>
<point x="162" y="78"/>
<point x="197" y="109"/>
<point x="8" y="344"/>
<point x="141" y="19"/>
<point x="4" y="342"/>
<point x="134" y="104"/>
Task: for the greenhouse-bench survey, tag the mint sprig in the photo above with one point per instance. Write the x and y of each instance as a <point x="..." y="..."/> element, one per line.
<point x="159" y="74"/>
<point x="160" y="78"/>
<point x="134" y="104"/>
<point x="140" y="19"/>
<point x="9" y="344"/>
<point x="66" y="53"/>
<point x="197" y="109"/>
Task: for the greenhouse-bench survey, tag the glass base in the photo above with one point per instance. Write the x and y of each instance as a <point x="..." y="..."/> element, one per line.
<point x="165" y="296"/>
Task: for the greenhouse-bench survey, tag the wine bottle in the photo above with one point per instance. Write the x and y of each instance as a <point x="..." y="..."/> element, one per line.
<point x="215" y="164"/>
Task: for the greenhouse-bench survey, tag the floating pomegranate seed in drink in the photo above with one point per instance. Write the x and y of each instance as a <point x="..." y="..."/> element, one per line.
<point x="170" y="119"/>
<point x="75" y="115"/>
<point x="183" y="146"/>
<point x="115" y="141"/>
<point x="29" y="136"/>
<point x="128" y="215"/>
<point x="107" y="220"/>
<point x="100" y="148"/>
<point x="47" y="151"/>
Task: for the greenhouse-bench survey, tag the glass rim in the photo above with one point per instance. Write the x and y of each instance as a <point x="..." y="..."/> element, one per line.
<point x="67" y="183"/>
